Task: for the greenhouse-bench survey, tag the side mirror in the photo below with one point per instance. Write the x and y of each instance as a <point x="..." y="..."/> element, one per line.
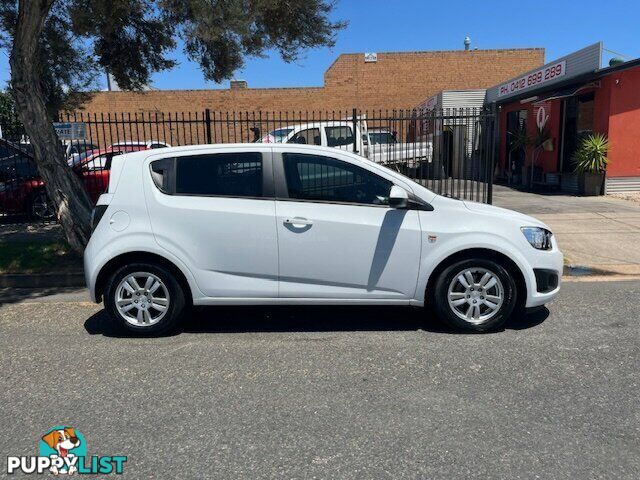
<point x="398" y="197"/>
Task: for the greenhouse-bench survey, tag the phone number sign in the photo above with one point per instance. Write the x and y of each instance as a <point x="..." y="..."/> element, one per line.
<point x="534" y="79"/>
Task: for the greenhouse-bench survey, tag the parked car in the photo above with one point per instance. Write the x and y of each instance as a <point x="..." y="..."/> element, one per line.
<point x="137" y="145"/>
<point x="378" y="145"/>
<point x="74" y="148"/>
<point x="299" y="224"/>
<point x="94" y="171"/>
<point x="22" y="190"/>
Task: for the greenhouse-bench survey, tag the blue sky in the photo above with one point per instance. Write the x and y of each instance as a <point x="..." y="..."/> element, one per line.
<point x="378" y="26"/>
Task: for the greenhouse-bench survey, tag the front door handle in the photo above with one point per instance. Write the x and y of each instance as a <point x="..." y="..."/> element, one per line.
<point x="298" y="221"/>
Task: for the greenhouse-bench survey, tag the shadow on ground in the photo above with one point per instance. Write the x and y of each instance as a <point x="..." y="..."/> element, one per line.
<point x="308" y="319"/>
<point x="15" y="295"/>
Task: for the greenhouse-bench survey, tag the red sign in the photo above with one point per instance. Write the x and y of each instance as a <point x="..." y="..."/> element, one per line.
<point x="533" y="79"/>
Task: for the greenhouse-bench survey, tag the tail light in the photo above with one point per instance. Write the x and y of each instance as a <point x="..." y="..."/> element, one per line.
<point x="97" y="215"/>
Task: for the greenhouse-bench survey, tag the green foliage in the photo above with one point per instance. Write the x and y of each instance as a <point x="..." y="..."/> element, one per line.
<point x="591" y="155"/>
<point x="519" y="140"/>
<point x="9" y="123"/>
<point x="540" y="138"/>
<point x="132" y="39"/>
<point x="66" y="63"/>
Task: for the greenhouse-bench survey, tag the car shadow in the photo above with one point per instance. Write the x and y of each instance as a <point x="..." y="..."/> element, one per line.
<point x="256" y="319"/>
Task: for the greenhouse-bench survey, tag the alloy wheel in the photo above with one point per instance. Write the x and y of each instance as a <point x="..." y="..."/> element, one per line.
<point x="475" y="295"/>
<point x="142" y="299"/>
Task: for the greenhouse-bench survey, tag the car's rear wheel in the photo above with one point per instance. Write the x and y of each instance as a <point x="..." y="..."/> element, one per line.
<point x="144" y="298"/>
<point x="476" y="295"/>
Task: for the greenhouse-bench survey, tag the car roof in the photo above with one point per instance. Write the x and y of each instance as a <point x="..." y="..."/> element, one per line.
<point x="249" y="146"/>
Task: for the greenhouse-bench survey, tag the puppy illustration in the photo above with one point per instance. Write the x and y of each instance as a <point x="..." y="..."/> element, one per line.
<point x="62" y="441"/>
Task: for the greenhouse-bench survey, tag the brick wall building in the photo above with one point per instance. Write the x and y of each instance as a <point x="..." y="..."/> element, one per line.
<point x="397" y="80"/>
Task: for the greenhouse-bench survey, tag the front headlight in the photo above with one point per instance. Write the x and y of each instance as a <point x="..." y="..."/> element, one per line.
<point x="539" y="238"/>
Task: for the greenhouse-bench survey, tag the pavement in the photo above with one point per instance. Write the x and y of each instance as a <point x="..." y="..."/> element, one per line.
<point x="309" y="392"/>
<point x="601" y="234"/>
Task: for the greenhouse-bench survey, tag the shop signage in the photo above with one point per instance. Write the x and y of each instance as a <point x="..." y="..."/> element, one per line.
<point x="370" y="57"/>
<point x="542" y="111"/>
<point x="534" y="79"/>
<point x="429" y="104"/>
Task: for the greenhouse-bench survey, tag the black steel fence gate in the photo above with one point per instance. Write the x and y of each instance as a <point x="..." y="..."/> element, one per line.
<point x="450" y="151"/>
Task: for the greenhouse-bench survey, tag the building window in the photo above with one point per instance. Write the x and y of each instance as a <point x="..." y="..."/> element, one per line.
<point x="578" y="117"/>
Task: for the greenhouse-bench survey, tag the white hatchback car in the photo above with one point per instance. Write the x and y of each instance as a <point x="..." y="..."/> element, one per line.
<point x="297" y="224"/>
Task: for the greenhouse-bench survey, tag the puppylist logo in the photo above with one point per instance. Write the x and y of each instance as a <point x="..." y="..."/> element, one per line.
<point x="63" y="451"/>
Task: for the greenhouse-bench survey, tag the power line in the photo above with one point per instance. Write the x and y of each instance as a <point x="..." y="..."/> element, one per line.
<point x="616" y="53"/>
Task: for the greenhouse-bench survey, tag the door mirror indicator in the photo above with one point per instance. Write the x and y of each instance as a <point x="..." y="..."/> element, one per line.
<point x="398" y="197"/>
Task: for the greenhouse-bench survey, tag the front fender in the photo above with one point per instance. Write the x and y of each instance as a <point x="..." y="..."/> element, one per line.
<point x="447" y="245"/>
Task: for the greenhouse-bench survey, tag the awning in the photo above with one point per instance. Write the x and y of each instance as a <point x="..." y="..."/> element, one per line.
<point x="562" y="93"/>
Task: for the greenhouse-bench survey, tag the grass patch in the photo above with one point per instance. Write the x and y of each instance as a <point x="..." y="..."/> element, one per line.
<point x="38" y="257"/>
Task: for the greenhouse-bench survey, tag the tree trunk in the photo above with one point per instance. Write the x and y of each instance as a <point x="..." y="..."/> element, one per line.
<point x="69" y="198"/>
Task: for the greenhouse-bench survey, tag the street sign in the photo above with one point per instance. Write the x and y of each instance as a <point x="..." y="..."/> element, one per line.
<point x="71" y="130"/>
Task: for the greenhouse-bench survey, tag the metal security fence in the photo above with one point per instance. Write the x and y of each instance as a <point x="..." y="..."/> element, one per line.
<point x="449" y="151"/>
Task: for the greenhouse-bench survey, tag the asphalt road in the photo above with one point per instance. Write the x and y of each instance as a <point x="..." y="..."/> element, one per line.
<point x="332" y="392"/>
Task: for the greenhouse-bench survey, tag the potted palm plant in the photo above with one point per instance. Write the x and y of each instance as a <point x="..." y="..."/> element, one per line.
<point x="591" y="163"/>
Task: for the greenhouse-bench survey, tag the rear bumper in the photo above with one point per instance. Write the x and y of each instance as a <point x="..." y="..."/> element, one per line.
<point x="89" y="275"/>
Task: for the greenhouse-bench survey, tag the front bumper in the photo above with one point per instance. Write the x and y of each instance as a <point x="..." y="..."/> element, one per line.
<point x="540" y="287"/>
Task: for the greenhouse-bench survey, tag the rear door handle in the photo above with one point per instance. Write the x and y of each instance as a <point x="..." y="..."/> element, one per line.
<point x="298" y="221"/>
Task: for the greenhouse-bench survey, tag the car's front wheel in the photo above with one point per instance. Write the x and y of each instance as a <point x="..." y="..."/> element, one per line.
<point x="475" y="295"/>
<point x="144" y="299"/>
<point x="40" y="207"/>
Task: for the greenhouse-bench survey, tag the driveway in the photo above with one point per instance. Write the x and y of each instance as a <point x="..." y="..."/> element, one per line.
<point x="598" y="232"/>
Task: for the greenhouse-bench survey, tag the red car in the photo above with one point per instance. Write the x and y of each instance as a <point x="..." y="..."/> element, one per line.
<point x="22" y="190"/>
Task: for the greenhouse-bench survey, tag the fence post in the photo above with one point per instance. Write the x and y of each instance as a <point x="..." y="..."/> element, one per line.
<point x="495" y="144"/>
<point x="207" y="124"/>
<point x="355" y="136"/>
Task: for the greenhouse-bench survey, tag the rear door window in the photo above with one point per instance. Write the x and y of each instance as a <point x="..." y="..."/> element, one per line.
<point x="310" y="136"/>
<point x="220" y="174"/>
<point x="338" y="136"/>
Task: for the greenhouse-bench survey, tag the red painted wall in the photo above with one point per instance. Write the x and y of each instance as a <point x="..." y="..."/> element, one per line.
<point x="624" y="123"/>
<point x="617" y="114"/>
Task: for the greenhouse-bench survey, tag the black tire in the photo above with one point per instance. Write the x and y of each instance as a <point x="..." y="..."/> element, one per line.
<point x="495" y="318"/>
<point x="175" y="299"/>
<point x="39" y="206"/>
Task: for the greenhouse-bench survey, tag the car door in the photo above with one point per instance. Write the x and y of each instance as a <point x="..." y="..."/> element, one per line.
<point x="214" y="209"/>
<point x="95" y="174"/>
<point x="337" y="236"/>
